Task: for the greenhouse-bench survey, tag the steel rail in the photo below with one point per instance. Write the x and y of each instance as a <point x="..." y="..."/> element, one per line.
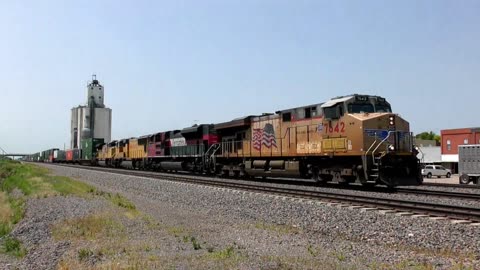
<point x="438" y="193"/>
<point x="473" y="186"/>
<point x="416" y="207"/>
<point x="379" y="189"/>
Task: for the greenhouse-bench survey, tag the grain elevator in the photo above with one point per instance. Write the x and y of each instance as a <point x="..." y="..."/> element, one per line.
<point x="91" y="122"/>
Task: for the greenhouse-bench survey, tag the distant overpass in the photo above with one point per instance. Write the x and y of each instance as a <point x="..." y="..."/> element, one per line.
<point x="13" y="155"/>
<point x="4" y="153"/>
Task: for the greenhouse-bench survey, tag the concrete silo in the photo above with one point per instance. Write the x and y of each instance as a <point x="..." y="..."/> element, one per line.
<point x="92" y="120"/>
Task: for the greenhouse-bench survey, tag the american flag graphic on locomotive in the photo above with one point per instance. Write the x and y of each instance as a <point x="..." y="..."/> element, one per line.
<point x="264" y="136"/>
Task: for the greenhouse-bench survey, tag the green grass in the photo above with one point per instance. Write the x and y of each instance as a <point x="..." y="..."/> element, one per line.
<point x="222" y="254"/>
<point x="7" y="168"/>
<point x="89" y="228"/>
<point x="116" y="199"/>
<point x="313" y="251"/>
<point x="11" y="208"/>
<point x="4" y="229"/>
<point x="12" y="211"/>
<point x="18" y="206"/>
<point x="13" y="246"/>
<point x="84" y="253"/>
<point x="32" y="181"/>
<point x="121" y="201"/>
<point x="14" y="174"/>
<point x="196" y="245"/>
<point x="176" y="231"/>
<point x="340" y="256"/>
<point x="67" y="186"/>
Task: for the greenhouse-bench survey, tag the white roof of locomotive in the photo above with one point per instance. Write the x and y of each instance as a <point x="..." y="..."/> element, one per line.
<point x="335" y="101"/>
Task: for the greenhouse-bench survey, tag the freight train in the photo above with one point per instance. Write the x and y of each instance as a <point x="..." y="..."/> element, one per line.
<point x="354" y="138"/>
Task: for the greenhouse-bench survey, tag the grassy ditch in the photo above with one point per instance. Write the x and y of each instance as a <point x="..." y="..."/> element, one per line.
<point x="116" y="199"/>
<point x="18" y="182"/>
<point x="91" y="227"/>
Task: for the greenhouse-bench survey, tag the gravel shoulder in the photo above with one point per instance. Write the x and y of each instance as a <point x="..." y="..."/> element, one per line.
<point x="186" y="226"/>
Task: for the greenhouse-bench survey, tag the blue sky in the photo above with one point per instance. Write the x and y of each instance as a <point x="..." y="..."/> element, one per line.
<point x="165" y="64"/>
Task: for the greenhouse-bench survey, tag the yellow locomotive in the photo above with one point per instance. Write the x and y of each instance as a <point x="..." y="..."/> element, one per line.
<point x="346" y="139"/>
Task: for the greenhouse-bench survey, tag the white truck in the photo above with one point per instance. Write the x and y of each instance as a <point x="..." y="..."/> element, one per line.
<point x="469" y="164"/>
<point x="436" y="170"/>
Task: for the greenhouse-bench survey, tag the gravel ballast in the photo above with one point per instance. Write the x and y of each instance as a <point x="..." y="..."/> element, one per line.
<point x="35" y="234"/>
<point x="272" y="232"/>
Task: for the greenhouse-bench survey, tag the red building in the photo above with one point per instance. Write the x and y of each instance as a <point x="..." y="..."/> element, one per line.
<point x="452" y="138"/>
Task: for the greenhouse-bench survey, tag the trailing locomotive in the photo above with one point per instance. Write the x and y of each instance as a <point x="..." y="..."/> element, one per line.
<point x="347" y="139"/>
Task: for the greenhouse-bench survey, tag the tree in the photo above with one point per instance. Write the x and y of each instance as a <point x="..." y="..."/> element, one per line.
<point x="428" y="136"/>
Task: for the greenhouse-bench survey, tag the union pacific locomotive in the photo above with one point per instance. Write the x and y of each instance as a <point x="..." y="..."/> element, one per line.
<point x="347" y="139"/>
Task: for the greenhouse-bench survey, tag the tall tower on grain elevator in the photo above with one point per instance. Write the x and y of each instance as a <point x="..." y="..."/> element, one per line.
<point x="93" y="120"/>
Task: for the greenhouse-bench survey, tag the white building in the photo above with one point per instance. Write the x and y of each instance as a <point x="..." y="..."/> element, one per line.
<point x="430" y="154"/>
<point x="92" y="120"/>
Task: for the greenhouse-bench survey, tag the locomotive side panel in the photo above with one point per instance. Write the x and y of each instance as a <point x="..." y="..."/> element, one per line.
<point x="137" y="149"/>
<point x="156" y="145"/>
<point x="342" y="137"/>
<point x="265" y="141"/>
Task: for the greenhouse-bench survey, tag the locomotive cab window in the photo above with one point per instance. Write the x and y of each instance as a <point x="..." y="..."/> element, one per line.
<point x="334" y="112"/>
<point x="330" y="113"/>
<point x="286" y="117"/>
<point x="308" y="113"/>
<point x="383" y="108"/>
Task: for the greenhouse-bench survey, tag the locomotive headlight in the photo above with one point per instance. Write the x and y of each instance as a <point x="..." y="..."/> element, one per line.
<point x="391" y="147"/>
<point x="392" y="120"/>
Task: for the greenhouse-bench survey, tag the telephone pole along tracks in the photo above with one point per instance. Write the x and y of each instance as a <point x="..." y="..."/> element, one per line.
<point x="415" y="207"/>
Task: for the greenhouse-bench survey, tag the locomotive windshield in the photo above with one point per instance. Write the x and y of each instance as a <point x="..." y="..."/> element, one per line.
<point x="360" y="108"/>
<point x="368" y="108"/>
<point x="383" y="108"/>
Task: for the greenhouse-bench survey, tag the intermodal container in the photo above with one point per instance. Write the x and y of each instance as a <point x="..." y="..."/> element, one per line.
<point x="89" y="148"/>
<point x="61" y="156"/>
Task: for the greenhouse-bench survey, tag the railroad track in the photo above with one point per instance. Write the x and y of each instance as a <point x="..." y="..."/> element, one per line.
<point x="380" y="189"/>
<point x="415" y="207"/>
<point x="446" y="194"/>
<point x="469" y="186"/>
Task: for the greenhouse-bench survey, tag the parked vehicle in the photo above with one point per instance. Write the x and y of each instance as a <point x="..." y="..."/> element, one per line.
<point x="436" y="170"/>
<point x="469" y="164"/>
